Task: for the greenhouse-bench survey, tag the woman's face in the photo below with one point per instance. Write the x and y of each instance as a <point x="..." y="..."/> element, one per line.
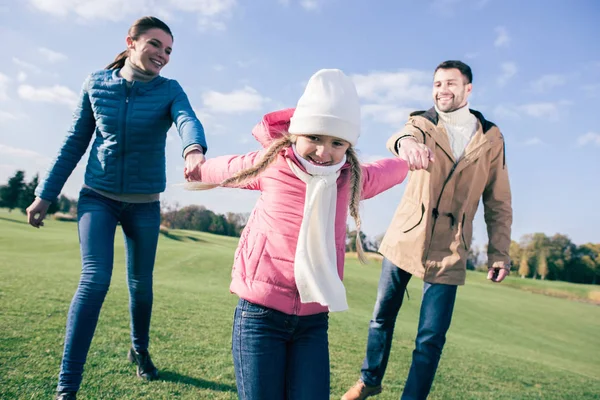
<point x="151" y="51"/>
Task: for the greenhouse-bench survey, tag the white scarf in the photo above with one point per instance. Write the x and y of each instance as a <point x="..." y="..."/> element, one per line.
<point x="315" y="262"/>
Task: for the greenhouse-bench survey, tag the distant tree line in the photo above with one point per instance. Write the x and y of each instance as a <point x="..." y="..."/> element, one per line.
<point x="19" y="194"/>
<point x="199" y="218"/>
<point x="557" y="258"/>
<point x="535" y="256"/>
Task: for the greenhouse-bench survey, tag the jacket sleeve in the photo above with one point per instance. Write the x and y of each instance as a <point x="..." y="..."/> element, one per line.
<point x="381" y="175"/>
<point x="498" y="209"/>
<point x="188" y="125"/>
<point x="216" y="170"/>
<point x="410" y="129"/>
<point x="74" y="146"/>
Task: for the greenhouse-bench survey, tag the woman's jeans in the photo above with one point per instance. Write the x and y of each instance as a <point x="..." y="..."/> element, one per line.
<point x="98" y="217"/>
<point x="280" y="356"/>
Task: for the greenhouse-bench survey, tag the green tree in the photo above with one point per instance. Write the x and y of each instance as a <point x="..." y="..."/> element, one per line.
<point x="10" y="193"/>
<point x="64" y="204"/>
<point x="542" y="266"/>
<point x="524" y="265"/>
<point x="351" y="241"/>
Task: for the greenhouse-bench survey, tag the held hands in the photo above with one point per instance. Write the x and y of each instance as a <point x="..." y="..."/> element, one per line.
<point x="193" y="161"/>
<point x="417" y="155"/>
<point x="36" y="212"/>
<point x="498" y="272"/>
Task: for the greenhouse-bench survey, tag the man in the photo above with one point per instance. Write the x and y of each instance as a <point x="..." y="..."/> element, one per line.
<point x="458" y="158"/>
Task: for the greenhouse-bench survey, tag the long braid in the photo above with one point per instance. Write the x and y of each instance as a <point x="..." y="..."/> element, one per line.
<point x="355" y="189"/>
<point x="245" y="175"/>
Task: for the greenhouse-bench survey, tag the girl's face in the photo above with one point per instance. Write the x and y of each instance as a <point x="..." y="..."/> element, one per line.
<point x="321" y="150"/>
<point x="151" y="51"/>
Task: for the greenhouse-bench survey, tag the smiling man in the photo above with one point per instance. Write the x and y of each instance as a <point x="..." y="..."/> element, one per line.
<point x="462" y="156"/>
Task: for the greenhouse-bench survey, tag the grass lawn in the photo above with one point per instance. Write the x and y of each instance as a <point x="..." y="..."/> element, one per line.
<point x="504" y="343"/>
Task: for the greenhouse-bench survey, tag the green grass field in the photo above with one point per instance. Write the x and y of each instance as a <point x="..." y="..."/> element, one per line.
<point x="504" y="343"/>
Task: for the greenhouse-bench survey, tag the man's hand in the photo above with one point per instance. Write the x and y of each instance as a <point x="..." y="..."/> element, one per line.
<point x="36" y="212"/>
<point x="498" y="272"/>
<point x="193" y="161"/>
<point x="417" y="155"/>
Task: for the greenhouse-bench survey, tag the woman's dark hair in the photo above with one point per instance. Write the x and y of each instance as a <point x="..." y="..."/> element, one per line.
<point x="464" y="69"/>
<point x="138" y="28"/>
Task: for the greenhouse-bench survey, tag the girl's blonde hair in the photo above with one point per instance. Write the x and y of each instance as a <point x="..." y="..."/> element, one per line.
<point x="271" y="155"/>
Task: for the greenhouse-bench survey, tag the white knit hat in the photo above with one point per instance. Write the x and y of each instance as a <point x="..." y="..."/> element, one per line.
<point x="329" y="106"/>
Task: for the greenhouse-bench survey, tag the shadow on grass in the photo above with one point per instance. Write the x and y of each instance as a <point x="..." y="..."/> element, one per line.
<point x="14" y="220"/>
<point x="197" y="382"/>
<point x="181" y="238"/>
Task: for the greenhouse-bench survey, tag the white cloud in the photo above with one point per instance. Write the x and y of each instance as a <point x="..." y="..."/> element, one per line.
<point x="55" y="94"/>
<point x="589" y="138"/>
<point x="549" y="110"/>
<point x="238" y="101"/>
<point x="245" y="64"/>
<point x="51" y="55"/>
<point x="471" y="56"/>
<point x="548" y="82"/>
<point x="26" y="65"/>
<point x="4" y="82"/>
<point x="209" y="12"/>
<point x="408" y="86"/>
<point x="386" y="113"/>
<point x="21" y="76"/>
<point x="309" y="5"/>
<point x="502" y="38"/>
<point x="209" y="122"/>
<point x="391" y="96"/>
<point x="503" y="111"/>
<point x="449" y="7"/>
<point x="533" y="142"/>
<point x="218" y="67"/>
<point x="593" y="90"/>
<point x="509" y="69"/>
<point x="8" y="116"/>
<point x="8" y="151"/>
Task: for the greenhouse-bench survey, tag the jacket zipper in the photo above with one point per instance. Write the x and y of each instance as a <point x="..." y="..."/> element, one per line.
<point x="124" y="136"/>
<point x="436" y="212"/>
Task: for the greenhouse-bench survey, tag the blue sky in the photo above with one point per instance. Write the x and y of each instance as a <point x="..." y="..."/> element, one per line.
<point x="536" y="71"/>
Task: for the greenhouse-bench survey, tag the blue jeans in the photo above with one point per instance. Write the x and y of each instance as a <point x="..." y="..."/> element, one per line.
<point x="434" y="321"/>
<point x="97" y="221"/>
<point x="280" y="356"/>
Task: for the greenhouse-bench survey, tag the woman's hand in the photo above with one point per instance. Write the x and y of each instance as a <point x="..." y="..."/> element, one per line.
<point x="193" y="161"/>
<point x="36" y="212"/>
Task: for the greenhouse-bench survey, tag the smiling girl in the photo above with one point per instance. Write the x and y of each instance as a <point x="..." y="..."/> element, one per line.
<point x="289" y="263"/>
<point x="127" y="109"/>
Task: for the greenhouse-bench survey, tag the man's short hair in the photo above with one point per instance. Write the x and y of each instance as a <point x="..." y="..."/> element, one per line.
<point x="464" y="69"/>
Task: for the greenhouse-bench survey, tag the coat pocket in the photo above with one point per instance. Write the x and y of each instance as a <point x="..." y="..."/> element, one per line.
<point x="414" y="219"/>
<point x="465" y="234"/>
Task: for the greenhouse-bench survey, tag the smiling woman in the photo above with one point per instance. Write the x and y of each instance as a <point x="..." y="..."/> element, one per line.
<point x="149" y="46"/>
<point x="127" y="108"/>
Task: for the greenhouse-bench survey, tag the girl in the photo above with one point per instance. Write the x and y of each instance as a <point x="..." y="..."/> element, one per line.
<point x="129" y="107"/>
<point x="290" y="259"/>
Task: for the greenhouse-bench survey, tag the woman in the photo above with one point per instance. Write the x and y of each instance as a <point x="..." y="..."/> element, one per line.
<point x="129" y="107"/>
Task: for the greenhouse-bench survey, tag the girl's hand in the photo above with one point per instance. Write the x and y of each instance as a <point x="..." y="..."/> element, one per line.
<point x="36" y="212"/>
<point x="193" y="161"/>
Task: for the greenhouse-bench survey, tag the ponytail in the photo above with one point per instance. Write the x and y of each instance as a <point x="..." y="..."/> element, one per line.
<point x="119" y="61"/>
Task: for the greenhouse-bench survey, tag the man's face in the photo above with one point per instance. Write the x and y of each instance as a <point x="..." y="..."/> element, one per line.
<point x="450" y="90"/>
